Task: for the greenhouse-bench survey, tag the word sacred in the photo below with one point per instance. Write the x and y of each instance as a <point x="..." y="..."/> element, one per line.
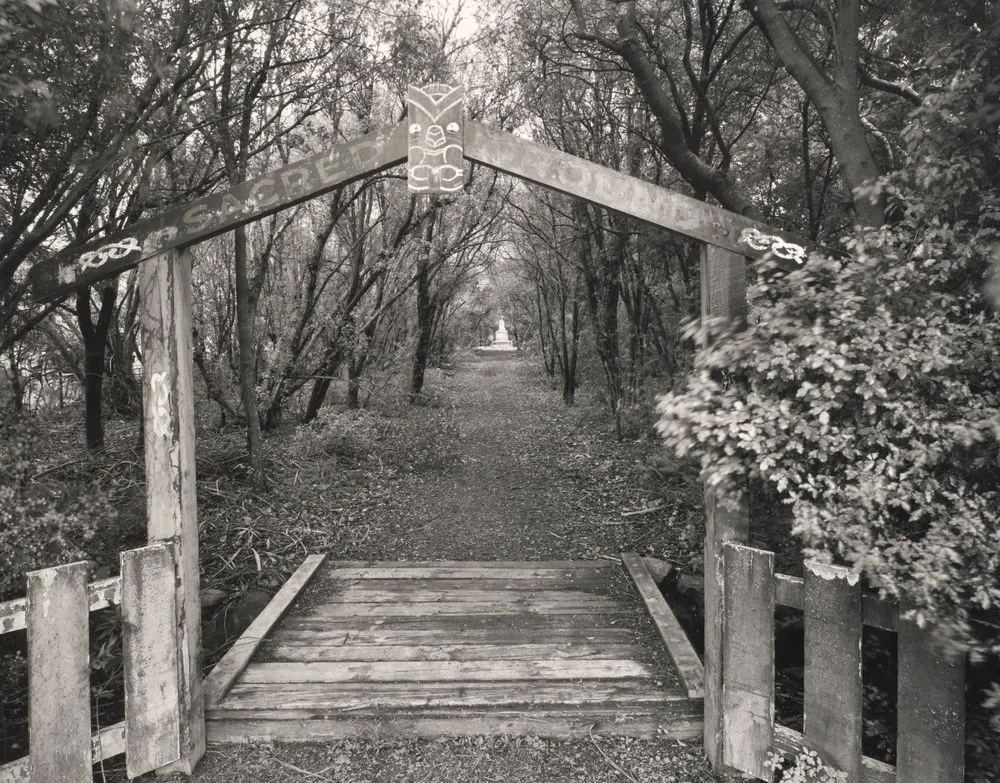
<point x="220" y="212"/>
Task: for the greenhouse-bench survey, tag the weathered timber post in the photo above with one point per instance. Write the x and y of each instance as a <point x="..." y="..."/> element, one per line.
<point x="168" y="420"/>
<point x="727" y="518"/>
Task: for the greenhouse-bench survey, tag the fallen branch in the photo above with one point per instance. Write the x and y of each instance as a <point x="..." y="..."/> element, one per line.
<point x="608" y="759"/>
<point x="645" y="510"/>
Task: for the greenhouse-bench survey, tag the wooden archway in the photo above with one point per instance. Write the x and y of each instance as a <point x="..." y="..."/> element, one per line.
<point x="433" y="141"/>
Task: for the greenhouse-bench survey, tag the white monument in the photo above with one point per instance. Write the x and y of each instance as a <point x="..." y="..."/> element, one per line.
<point x="501" y="342"/>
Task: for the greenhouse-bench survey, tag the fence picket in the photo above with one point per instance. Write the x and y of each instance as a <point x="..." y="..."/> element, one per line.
<point x="59" y="674"/>
<point x="931" y="710"/>
<point x="149" y="641"/>
<point x="832" y="702"/>
<point x="748" y="660"/>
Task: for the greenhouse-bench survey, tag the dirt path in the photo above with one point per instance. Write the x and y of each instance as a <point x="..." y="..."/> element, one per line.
<point x="525" y="477"/>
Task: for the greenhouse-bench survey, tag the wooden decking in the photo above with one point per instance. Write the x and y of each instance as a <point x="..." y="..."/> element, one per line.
<point x="553" y="649"/>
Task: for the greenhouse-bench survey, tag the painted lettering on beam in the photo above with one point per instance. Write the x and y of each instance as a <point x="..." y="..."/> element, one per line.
<point x="219" y="212"/>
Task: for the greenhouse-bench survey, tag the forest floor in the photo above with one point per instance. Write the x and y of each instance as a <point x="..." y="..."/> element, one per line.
<point x="491" y="466"/>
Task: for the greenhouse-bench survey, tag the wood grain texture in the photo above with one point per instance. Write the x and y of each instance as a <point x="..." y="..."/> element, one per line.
<point x="105" y="744"/>
<point x="421" y="633"/>
<point x="407" y="592"/>
<point x="832" y="701"/>
<point x="149" y="643"/>
<point x="171" y="507"/>
<point x="726" y="521"/>
<point x="748" y="655"/>
<point x="593" y="582"/>
<point x="444" y="624"/>
<point x="234" y="662"/>
<point x="723" y="286"/>
<point x="407" y="695"/>
<point x="59" y="674"/>
<point x="100" y="595"/>
<point x="688" y="664"/>
<point x="271" y="651"/>
<point x="556" y="725"/>
<point x="505" y="605"/>
<point x="458" y="640"/>
<point x="930" y="744"/>
<point x="442" y="671"/>
<point x="217" y="213"/>
<point x="790" y="592"/>
<point x="444" y="570"/>
<point x="630" y="196"/>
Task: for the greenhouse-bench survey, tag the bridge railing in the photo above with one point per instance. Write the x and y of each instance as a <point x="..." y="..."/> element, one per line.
<point x="931" y="686"/>
<point x="56" y="614"/>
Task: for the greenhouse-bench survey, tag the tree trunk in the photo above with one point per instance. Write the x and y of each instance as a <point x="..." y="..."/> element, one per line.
<point x="425" y="324"/>
<point x="834" y="94"/>
<point x="248" y="368"/>
<point x="425" y="316"/>
<point x="16" y="384"/>
<point x="331" y="363"/>
<point x="95" y="338"/>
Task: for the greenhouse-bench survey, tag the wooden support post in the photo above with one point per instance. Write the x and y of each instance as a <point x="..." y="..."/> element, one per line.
<point x="832" y="702"/>
<point x="748" y="652"/>
<point x="931" y="710"/>
<point x="727" y="518"/>
<point x="149" y="621"/>
<point x="723" y="285"/>
<point x="59" y="674"/>
<point x="168" y="419"/>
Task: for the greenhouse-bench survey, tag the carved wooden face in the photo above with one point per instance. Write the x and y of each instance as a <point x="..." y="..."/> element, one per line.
<point x="435" y="157"/>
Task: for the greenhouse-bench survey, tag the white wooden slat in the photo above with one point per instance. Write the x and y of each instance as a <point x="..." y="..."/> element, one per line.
<point x="149" y="640"/>
<point x="59" y="674"/>
<point x="832" y="702"/>
<point x="930" y="745"/>
<point x="748" y="660"/>
<point x="101" y="595"/>
<point x="108" y="742"/>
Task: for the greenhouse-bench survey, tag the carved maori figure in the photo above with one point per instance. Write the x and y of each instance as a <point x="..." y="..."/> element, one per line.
<point x="435" y="157"/>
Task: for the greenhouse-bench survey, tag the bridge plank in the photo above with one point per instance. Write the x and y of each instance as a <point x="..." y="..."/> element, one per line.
<point x="291" y="651"/>
<point x="442" y="671"/>
<point x="402" y="695"/>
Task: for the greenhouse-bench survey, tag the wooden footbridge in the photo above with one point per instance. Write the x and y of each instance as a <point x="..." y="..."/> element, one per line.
<point x="552" y="649"/>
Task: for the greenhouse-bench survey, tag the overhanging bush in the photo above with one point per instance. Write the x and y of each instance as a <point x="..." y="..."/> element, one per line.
<point x="867" y="390"/>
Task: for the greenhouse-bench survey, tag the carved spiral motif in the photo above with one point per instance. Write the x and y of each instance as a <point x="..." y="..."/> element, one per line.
<point x="112" y="251"/>
<point x="764" y="242"/>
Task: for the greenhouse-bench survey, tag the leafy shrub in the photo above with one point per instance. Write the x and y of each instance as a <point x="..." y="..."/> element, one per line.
<point x="867" y="390"/>
<point x="37" y="528"/>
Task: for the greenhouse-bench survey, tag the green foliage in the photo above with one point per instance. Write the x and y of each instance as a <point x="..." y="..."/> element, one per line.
<point x="807" y="766"/>
<point x="867" y="390"/>
<point x="38" y="529"/>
